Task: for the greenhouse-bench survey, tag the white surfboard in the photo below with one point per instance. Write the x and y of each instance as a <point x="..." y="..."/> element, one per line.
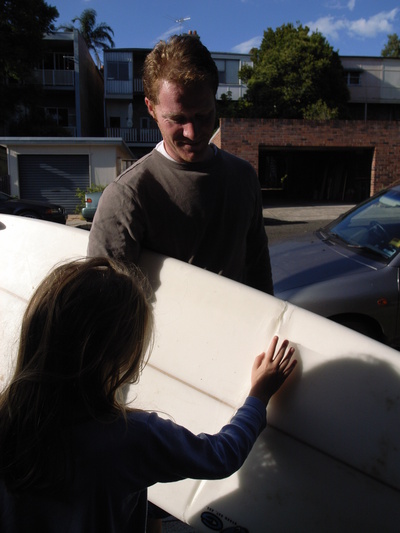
<point x="329" y="459"/>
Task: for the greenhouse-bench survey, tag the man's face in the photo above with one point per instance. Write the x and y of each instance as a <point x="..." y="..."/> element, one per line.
<point x="186" y="118"/>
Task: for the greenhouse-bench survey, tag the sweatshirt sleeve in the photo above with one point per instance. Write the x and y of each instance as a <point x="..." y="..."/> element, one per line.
<point x="259" y="272"/>
<point x="117" y="229"/>
<point x="177" y="453"/>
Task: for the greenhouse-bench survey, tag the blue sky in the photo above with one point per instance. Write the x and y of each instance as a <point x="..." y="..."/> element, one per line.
<point x="352" y="27"/>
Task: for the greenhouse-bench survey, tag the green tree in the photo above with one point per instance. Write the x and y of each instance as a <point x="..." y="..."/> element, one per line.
<point x="392" y="47"/>
<point x="22" y="26"/>
<point x="96" y="36"/>
<point x="320" y="111"/>
<point x="294" y="71"/>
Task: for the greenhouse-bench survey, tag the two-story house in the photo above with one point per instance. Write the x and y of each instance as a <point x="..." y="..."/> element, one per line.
<point x="72" y="85"/>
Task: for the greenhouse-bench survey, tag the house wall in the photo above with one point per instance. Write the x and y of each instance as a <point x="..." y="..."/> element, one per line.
<point x="91" y="92"/>
<point x="244" y="137"/>
<point x="379" y="79"/>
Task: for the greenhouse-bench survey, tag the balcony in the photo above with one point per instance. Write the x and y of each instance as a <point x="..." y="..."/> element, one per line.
<point x="135" y="135"/>
<point x="123" y="88"/>
<point x="118" y="87"/>
<point x="55" y="78"/>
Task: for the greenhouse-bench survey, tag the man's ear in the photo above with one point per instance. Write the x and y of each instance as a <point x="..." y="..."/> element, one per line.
<point x="150" y="108"/>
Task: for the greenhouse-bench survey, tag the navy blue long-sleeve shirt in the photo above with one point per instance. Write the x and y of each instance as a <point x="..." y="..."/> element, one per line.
<point x="112" y="464"/>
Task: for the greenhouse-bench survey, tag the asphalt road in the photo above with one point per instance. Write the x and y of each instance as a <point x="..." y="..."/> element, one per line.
<point x="288" y="221"/>
<point x="282" y="221"/>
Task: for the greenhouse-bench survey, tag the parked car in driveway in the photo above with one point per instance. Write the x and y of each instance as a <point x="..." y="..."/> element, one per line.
<point x="349" y="270"/>
<point x="91" y="202"/>
<point x="31" y="208"/>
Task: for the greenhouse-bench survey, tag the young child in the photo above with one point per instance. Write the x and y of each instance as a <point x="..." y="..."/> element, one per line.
<point x="73" y="457"/>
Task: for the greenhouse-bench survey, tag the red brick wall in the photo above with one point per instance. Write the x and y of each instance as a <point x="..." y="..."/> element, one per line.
<point x="243" y="137"/>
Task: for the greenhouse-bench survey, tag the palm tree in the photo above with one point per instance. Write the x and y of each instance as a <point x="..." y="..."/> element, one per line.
<point x="97" y="36"/>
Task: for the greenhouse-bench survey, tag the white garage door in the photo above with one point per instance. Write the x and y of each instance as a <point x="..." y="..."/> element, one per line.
<point x="53" y="178"/>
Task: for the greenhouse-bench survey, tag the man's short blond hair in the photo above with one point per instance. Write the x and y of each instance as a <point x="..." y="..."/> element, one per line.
<point x="184" y="60"/>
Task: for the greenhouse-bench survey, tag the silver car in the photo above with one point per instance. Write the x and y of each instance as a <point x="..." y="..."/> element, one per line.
<point x="348" y="271"/>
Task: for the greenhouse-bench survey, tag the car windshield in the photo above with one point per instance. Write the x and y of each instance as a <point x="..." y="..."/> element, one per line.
<point x="373" y="227"/>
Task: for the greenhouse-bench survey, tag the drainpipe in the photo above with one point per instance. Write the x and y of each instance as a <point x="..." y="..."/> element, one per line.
<point x="77" y="86"/>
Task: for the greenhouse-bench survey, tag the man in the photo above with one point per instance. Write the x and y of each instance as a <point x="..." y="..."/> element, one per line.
<point x="186" y="199"/>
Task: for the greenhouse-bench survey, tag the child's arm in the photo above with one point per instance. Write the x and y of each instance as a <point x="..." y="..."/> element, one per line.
<point x="176" y="453"/>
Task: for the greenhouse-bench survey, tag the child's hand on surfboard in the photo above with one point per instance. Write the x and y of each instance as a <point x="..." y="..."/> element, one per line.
<point x="270" y="370"/>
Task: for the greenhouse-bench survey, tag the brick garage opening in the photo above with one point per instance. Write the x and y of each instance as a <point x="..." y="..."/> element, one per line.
<point x="334" y="149"/>
<point x="316" y="174"/>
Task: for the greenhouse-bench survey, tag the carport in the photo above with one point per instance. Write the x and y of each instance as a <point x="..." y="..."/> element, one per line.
<point x="317" y="174"/>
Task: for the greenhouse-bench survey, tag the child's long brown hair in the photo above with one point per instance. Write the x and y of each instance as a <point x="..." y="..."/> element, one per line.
<point x="84" y="334"/>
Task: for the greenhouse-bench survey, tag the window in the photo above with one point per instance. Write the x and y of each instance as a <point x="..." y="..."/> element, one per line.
<point x="144" y="123"/>
<point x="48" y="62"/>
<point x="58" y="114"/>
<point x="353" y="77"/>
<point x="118" y="70"/>
<point x="115" y="122"/>
<point x="228" y="70"/>
<point x="58" y="61"/>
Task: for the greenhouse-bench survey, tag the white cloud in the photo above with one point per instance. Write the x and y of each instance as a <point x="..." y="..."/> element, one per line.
<point x="351" y="4"/>
<point x="244" y="48"/>
<point x="332" y="26"/>
<point x="379" y="23"/>
<point x="328" y="26"/>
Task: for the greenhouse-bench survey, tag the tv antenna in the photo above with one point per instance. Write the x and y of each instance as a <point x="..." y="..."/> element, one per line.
<point x="180" y="21"/>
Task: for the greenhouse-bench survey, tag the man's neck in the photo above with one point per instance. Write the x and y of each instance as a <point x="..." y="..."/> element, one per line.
<point x="160" y="147"/>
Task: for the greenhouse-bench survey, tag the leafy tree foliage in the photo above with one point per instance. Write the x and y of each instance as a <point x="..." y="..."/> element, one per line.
<point x="320" y="111"/>
<point x="295" y="74"/>
<point x="392" y="47"/>
<point x="228" y="108"/>
<point x="22" y="25"/>
<point x="96" y="36"/>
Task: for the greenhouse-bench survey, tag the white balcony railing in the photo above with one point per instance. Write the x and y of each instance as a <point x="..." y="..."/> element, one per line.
<point x="133" y="135"/>
<point x="138" y="85"/>
<point x="55" y="78"/>
<point x="152" y="136"/>
<point x="118" y="87"/>
<point x="128" y="134"/>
